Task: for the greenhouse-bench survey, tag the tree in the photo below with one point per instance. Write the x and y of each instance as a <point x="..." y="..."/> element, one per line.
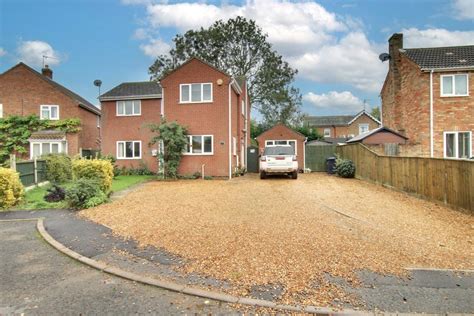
<point x="376" y="112"/>
<point x="240" y="48"/>
<point x="174" y="139"/>
<point x="310" y="133"/>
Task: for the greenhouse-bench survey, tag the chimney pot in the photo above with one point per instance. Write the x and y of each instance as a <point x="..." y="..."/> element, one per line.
<point x="47" y="72"/>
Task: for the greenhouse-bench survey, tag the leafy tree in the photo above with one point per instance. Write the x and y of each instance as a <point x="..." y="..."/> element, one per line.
<point x="174" y="139"/>
<point x="376" y="112"/>
<point x="257" y="128"/>
<point x="310" y="133"/>
<point x="240" y="48"/>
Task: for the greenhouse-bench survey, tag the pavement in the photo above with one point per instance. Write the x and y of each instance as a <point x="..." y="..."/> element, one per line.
<point x="36" y="278"/>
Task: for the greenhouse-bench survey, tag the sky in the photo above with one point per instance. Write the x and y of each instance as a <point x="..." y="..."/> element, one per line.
<point x="333" y="44"/>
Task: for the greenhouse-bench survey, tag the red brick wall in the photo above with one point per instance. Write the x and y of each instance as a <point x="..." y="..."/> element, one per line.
<point x="22" y="93"/>
<point x="203" y="118"/>
<point x="281" y="132"/>
<point x="407" y="109"/>
<point x="383" y="138"/>
<point x="90" y="133"/>
<point x="130" y="128"/>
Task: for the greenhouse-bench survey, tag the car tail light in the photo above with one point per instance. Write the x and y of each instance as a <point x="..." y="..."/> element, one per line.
<point x="263" y="158"/>
<point x="294" y="158"/>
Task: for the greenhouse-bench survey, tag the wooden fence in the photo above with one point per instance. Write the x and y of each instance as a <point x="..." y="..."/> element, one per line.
<point x="315" y="156"/>
<point x="31" y="171"/>
<point x="445" y="180"/>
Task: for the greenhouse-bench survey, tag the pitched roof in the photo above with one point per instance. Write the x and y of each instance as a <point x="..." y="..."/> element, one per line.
<point x="143" y="90"/>
<point x="441" y="57"/>
<point x="48" y="135"/>
<point x="374" y="131"/>
<point x="80" y="100"/>
<point x="283" y="125"/>
<point x="328" y="120"/>
<point x="190" y="60"/>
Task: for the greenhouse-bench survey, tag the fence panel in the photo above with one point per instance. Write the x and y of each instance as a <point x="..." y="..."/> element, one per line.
<point x="26" y="169"/>
<point x="444" y="180"/>
<point x="315" y="156"/>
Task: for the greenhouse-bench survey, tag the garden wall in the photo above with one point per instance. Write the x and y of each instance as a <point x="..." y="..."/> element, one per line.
<point x="445" y="180"/>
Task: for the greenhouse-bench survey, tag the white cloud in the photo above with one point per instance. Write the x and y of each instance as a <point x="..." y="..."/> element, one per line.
<point x="414" y="37"/>
<point x="353" y="60"/>
<point x="464" y="9"/>
<point x="2" y="52"/>
<point x="32" y="52"/>
<point x="155" y="47"/>
<point x="342" y="102"/>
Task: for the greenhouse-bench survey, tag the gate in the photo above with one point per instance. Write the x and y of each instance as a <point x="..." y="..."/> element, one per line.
<point x="316" y="155"/>
<point x="252" y="159"/>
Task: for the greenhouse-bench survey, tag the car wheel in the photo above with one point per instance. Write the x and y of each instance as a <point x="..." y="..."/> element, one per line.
<point x="294" y="175"/>
<point x="263" y="175"/>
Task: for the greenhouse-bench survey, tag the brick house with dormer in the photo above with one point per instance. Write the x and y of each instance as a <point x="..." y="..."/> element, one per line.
<point x="210" y="103"/>
<point x="428" y="97"/>
<point x="25" y="91"/>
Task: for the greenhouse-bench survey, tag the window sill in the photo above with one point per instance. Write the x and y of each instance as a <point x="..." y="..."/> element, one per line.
<point x="455" y="96"/>
<point x="135" y="158"/>
<point x="204" y="154"/>
<point x="197" y="102"/>
<point x="125" y="115"/>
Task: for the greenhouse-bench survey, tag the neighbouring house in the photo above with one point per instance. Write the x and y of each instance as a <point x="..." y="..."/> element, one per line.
<point x="427" y="96"/>
<point x="281" y="134"/>
<point x="338" y="128"/>
<point x="24" y="91"/>
<point x="382" y="140"/>
<point x="211" y="104"/>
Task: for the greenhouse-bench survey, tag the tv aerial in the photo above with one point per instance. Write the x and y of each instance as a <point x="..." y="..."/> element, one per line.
<point x="98" y="83"/>
<point x="384" y="57"/>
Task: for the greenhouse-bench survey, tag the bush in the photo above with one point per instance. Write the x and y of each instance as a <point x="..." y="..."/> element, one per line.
<point x="345" y="168"/>
<point x="58" y="168"/>
<point x="208" y="178"/>
<point x="99" y="170"/>
<point x="55" y="194"/>
<point x="85" y="193"/>
<point x="11" y="189"/>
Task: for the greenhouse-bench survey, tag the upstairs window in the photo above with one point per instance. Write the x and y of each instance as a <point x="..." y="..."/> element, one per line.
<point x="195" y="93"/>
<point x="49" y="112"/>
<point x="363" y="128"/>
<point x="129" y="108"/>
<point x="199" y="145"/>
<point x="454" y="85"/>
<point x="327" y="132"/>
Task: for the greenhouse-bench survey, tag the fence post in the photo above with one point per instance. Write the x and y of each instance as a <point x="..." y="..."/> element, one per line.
<point x="35" y="167"/>
<point x="13" y="162"/>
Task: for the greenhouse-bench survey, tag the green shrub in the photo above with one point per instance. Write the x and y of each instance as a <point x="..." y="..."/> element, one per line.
<point x="345" y="168"/>
<point x="58" y="168"/>
<point x="208" y="178"/>
<point x="99" y="170"/>
<point x="11" y="189"/>
<point x="85" y="193"/>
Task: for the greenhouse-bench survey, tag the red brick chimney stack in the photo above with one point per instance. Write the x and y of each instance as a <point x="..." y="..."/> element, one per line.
<point x="47" y="72"/>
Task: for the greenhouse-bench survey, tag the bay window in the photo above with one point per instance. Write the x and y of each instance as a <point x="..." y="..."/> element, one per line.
<point x="41" y="148"/>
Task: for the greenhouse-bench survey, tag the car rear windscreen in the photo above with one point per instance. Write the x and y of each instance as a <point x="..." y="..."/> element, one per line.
<point x="278" y="150"/>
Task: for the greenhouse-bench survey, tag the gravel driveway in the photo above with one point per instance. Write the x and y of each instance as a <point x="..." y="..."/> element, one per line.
<point x="290" y="235"/>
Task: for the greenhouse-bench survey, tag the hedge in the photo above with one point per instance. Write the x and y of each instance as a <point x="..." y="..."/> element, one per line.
<point x="11" y="189"/>
<point x="98" y="170"/>
<point x="58" y="168"/>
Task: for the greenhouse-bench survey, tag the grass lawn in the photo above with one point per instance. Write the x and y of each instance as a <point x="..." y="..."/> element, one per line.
<point x="34" y="198"/>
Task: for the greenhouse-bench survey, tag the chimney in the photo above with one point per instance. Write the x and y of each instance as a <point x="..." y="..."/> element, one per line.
<point x="47" y="72"/>
<point x="394" y="44"/>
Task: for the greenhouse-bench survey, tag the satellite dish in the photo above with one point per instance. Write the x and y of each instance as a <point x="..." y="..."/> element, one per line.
<point x="97" y="83"/>
<point x="384" y="57"/>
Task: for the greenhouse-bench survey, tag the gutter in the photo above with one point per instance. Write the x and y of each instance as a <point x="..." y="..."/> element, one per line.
<point x="431" y="114"/>
<point x="469" y="68"/>
<point x="131" y="97"/>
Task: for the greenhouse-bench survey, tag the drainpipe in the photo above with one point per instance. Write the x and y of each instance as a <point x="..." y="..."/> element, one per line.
<point x="304" y="154"/>
<point x="230" y="129"/>
<point x="431" y="114"/>
<point x="247" y="128"/>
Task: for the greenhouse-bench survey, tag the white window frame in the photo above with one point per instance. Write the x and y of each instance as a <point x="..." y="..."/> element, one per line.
<point x="454" y="86"/>
<point x="125" y="144"/>
<point x="1" y="110"/>
<point x="272" y="142"/>
<point x="244" y="109"/>
<point x="190" y="93"/>
<point x="61" y="147"/>
<point x="98" y="121"/>
<point x="328" y="134"/>
<point x="364" y="125"/>
<point x="190" y="140"/>
<point x="133" y="108"/>
<point x="48" y="107"/>
<point x="456" y="139"/>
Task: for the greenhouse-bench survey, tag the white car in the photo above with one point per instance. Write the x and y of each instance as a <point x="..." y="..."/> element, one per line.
<point x="279" y="159"/>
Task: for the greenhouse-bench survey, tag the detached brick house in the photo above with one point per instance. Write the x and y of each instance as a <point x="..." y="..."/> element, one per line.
<point x="211" y="104"/>
<point x="427" y="96"/>
<point x="342" y="127"/>
<point x="24" y="91"/>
